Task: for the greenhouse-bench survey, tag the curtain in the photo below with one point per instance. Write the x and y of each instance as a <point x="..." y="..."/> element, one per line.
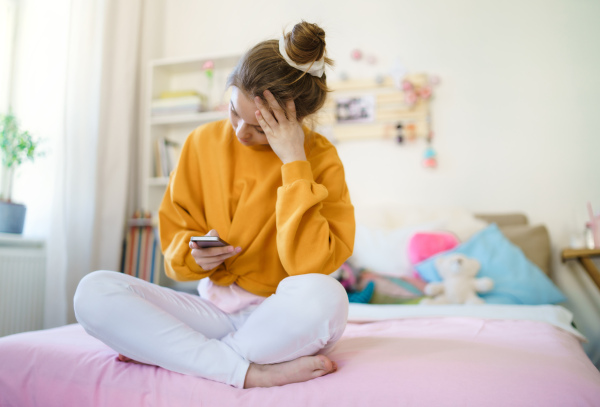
<point x="76" y="86"/>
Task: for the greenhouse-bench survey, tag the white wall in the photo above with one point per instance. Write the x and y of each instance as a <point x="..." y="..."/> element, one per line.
<point x="515" y="116"/>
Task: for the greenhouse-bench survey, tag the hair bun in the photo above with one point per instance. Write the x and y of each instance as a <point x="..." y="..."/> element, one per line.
<point x="305" y="43"/>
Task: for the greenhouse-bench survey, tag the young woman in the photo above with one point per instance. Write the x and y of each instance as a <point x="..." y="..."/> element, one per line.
<point x="267" y="310"/>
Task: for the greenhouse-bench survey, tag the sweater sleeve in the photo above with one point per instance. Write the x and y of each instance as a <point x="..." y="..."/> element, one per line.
<point x="315" y="220"/>
<point x="181" y="216"/>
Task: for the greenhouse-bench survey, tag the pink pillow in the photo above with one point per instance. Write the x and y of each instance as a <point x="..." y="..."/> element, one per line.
<point x="423" y="245"/>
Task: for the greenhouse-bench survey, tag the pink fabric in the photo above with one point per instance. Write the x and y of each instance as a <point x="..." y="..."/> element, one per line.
<point x="423" y="245"/>
<point x="411" y="362"/>
<point x="230" y="299"/>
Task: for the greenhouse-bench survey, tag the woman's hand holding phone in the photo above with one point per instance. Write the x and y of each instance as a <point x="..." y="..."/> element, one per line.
<point x="210" y="258"/>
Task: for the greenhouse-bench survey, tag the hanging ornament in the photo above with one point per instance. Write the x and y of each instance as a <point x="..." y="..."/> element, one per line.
<point x="429" y="158"/>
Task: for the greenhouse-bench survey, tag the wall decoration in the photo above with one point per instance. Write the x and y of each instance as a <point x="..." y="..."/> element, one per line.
<point x="355" y="109"/>
<point x="356" y="54"/>
<point x="391" y="107"/>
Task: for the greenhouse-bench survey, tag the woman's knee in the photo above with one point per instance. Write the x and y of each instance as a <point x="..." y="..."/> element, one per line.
<point x="90" y="301"/>
<point x="319" y="296"/>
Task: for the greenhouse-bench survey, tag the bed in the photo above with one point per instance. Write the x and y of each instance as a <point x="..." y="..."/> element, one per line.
<point x="409" y="355"/>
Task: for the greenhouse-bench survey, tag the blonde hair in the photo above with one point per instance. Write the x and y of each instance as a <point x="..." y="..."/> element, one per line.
<point x="263" y="67"/>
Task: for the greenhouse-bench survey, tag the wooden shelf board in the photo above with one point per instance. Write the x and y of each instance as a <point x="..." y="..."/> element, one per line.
<point x="199" y="118"/>
<point x="576" y="253"/>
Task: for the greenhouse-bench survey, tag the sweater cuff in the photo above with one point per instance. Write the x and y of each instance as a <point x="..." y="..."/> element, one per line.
<point x="296" y="170"/>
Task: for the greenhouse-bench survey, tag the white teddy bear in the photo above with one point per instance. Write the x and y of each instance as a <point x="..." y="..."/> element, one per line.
<point x="458" y="285"/>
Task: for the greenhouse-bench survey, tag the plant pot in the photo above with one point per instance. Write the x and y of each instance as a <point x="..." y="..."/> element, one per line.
<point x="12" y="217"/>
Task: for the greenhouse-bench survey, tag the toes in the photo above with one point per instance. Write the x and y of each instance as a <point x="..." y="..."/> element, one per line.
<point x="324" y="365"/>
<point x="123" y="358"/>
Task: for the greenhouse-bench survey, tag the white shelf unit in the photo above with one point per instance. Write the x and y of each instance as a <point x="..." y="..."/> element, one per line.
<point x="179" y="74"/>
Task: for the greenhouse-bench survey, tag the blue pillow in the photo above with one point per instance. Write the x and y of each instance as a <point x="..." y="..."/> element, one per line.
<point x="516" y="279"/>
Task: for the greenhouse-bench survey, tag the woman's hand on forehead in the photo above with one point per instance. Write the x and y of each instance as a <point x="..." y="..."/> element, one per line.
<point x="283" y="131"/>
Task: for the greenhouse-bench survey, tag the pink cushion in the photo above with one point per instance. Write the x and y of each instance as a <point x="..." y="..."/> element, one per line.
<point x="423" y="245"/>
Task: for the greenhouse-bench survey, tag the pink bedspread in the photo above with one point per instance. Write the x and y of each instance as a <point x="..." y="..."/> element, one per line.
<point x="413" y="362"/>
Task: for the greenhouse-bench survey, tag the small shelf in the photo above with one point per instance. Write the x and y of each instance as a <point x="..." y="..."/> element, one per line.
<point x="202" y="117"/>
<point x="178" y="74"/>
<point x="584" y="256"/>
<point x="158" y="181"/>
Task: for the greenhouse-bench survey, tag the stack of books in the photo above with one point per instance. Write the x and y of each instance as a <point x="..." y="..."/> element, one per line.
<point x="142" y="257"/>
<point x="183" y="102"/>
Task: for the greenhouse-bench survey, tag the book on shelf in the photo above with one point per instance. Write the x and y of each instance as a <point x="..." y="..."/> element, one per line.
<point x="142" y="257"/>
<point x="166" y="154"/>
<point x="178" y="103"/>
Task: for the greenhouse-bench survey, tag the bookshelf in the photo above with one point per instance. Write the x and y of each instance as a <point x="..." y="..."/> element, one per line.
<point x="176" y="75"/>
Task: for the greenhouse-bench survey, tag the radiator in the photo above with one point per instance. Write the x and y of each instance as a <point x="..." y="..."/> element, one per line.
<point x="22" y="284"/>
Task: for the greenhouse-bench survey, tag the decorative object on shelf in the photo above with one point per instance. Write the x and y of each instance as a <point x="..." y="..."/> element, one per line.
<point x="418" y="91"/>
<point x="208" y="68"/>
<point x="399" y="133"/>
<point x="16" y="146"/>
<point x="141" y="256"/>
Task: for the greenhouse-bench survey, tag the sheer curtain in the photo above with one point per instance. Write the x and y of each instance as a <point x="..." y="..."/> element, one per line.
<point x="76" y="78"/>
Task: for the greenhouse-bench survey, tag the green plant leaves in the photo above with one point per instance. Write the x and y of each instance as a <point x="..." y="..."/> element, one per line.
<point x="16" y="145"/>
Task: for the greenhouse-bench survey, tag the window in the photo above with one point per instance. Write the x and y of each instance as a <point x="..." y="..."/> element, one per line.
<point x="7" y="37"/>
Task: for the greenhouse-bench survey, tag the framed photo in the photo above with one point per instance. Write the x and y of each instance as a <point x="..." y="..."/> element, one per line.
<point x="355" y="109"/>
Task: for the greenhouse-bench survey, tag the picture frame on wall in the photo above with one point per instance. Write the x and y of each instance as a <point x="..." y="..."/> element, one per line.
<point x="360" y="109"/>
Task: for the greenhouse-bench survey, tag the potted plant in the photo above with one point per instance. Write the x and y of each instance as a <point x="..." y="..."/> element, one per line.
<point x="16" y="146"/>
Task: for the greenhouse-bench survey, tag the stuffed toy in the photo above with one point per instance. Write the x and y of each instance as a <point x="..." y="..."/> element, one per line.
<point x="458" y="285"/>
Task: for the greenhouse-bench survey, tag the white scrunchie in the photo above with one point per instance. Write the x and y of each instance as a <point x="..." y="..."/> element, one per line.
<point x="317" y="68"/>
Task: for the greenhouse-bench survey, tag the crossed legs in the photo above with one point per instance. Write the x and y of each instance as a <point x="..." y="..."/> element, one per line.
<point x="262" y="345"/>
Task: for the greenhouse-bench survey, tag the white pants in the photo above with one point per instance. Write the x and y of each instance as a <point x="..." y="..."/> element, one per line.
<point x="187" y="334"/>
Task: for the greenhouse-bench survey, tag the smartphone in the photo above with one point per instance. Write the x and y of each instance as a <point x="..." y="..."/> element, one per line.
<point x="209" y="241"/>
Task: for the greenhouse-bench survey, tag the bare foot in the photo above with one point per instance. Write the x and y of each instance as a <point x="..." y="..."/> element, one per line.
<point x="123" y="358"/>
<point x="294" y="371"/>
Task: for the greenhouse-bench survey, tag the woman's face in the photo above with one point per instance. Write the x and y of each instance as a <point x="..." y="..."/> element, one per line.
<point x="243" y="119"/>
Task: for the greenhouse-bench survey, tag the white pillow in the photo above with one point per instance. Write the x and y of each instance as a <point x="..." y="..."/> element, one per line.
<point x="385" y="251"/>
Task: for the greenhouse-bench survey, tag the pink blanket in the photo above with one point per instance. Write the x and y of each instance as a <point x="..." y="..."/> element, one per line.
<point x="449" y="361"/>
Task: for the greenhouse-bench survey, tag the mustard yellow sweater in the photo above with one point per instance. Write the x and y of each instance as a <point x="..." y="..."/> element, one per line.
<point x="289" y="219"/>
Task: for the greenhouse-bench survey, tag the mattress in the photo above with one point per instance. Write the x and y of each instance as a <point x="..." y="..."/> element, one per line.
<point x="389" y="356"/>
